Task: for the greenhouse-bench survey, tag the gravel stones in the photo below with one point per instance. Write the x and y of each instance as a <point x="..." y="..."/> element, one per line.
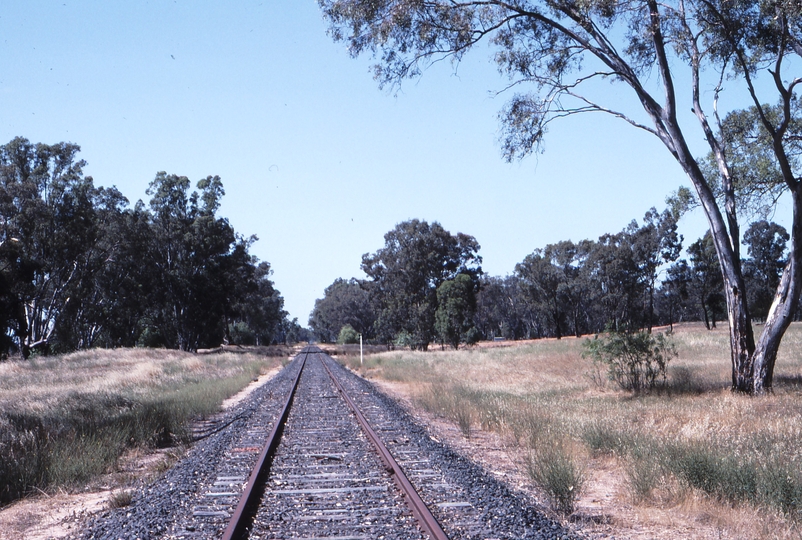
<point x="195" y="498"/>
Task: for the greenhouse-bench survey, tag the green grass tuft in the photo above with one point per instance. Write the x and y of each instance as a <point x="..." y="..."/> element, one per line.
<point x="558" y="473"/>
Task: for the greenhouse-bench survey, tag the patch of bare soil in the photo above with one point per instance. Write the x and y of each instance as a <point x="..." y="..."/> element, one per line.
<point x="59" y="514"/>
<point x="43" y="517"/>
<point x="245" y="392"/>
<point x="51" y="516"/>
<point x="603" y="511"/>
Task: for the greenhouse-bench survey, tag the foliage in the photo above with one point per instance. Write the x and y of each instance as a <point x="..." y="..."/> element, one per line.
<point x="766" y="243"/>
<point x="49" y="230"/>
<point x="501" y="309"/>
<point x="292" y="332"/>
<point x="705" y="275"/>
<point x="344" y="302"/>
<point x="456" y="304"/>
<point x="582" y="287"/>
<point x="557" y="472"/>
<point x="120" y="499"/>
<point x="79" y="268"/>
<point x="405" y="274"/>
<point x="52" y="435"/>
<point x="668" y="448"/>
<point x="629" y="279"/>
<point x="636" y="361"/>
<point x="347" y="335"/>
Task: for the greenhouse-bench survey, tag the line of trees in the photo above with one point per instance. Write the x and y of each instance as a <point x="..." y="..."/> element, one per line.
<point x="427" y="286"/>
<point x="80" y="268"/>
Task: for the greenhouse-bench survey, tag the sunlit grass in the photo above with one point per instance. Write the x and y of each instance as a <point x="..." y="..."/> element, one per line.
<point x="693" y="436"/>
<point x="67" y="419"/>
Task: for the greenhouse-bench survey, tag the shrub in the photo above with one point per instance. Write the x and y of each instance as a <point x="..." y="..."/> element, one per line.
<point x="241" y="333"/>
<point x="634" y="360"/>
<point x="603" y="438"/>
<point x="404" y="339"/>
<point x="556" y="471"/>
<point x="347" y="335"/>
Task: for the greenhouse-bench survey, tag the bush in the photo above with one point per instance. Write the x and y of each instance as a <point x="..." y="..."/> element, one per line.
<point x="603" y="438"/>
<point x="635" y="361"/>
<point x="404" y="339"/>
<point x="348" y="335"/>
<point x="241" y="334"/>
<point x="557" y="472"/>
<point x="769" y="481"/>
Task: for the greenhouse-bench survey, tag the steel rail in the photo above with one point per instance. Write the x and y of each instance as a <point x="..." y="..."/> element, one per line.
<point x="239" y="522"/>
<point x="419" y="509"/>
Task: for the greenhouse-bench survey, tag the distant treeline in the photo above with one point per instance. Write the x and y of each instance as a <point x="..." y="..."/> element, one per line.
<point x="427" y="286"/>
<point x="81" y="268"/>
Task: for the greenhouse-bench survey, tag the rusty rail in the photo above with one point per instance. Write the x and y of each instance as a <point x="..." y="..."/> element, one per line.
<point x="249" y="498"/>
<point x="419" y="509"/>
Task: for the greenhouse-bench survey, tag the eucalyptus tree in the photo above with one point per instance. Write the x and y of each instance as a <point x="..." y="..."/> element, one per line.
<point x="766" y="245"/>
<point x="107" y="302"/>
<point x="194" y="253"/>
<point x="557" y="51"/>
<point x="256" y="310"/>
<point x="456" y="305"/>
<point x="674" y="294"/>
<point x="706" y="284"/>
<point x="576" y="289"/>
<point x="618" y="283"/>
<point x="654" y="244"/>
<point x="344" y="302"/>
<point x="416" y="259"/>
<point x="501" y="308"/>
<point x="544" y="283"/>
<point x="47" y="231"/>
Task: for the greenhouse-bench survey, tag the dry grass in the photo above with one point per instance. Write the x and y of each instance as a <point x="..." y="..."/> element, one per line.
<point x="67" y="419"/>
<point x="693" y="448"/>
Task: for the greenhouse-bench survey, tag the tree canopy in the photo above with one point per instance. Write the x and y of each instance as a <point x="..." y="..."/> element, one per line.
<point x="344" y="303"/>
<point x="405" y="274"/>
<point x="626" y="281"/>
<point x="80" y="268"/>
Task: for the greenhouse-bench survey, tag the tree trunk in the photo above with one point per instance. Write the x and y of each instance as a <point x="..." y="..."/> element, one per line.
<point x="704" y="312"/>
<point x="577" y="333"/>
<point x="782" y="309"/>
<point x="558" y="331"/>
<point x="742" y="339"/>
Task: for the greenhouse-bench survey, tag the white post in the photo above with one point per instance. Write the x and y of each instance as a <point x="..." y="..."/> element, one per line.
<point x="360" y="350"/>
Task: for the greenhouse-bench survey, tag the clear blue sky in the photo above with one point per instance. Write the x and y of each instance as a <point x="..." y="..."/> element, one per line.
<point x="316" y="160"/>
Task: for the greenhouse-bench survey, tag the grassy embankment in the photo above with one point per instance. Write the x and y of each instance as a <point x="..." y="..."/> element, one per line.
<point x="67" y="419"/>
<point x="691" y="439"/>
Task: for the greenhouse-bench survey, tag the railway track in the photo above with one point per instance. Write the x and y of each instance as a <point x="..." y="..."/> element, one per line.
<point x="294" y="461"/>
<point x="324" y="473"/>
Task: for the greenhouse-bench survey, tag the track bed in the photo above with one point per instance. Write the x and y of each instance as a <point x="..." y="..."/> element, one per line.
<point x="326" y="478"/>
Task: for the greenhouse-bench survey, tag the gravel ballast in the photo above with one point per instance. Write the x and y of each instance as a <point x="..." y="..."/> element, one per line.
<point x="169" y="507"/>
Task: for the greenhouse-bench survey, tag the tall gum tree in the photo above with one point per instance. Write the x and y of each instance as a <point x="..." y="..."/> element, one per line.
<point x="560" y="48"/>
